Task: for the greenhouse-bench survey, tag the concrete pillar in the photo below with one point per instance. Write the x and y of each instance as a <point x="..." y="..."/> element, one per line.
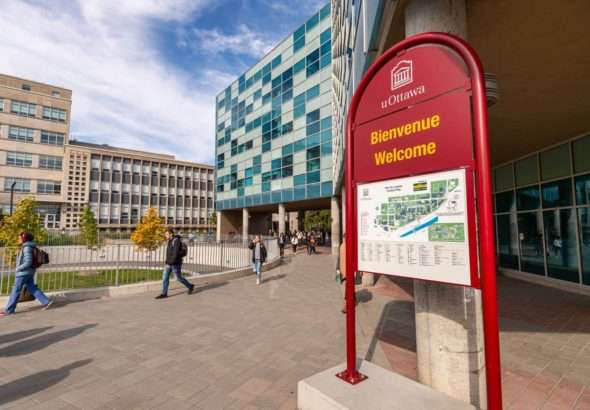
<point x="447" y="16"/>
<point x="300" y="220"/>
<point x="245" y="222"/>
<point x="218" y="226"/>
<point x="335" y="215"/>
<point x="281" y="218"/>
<point x="449" y="326"/>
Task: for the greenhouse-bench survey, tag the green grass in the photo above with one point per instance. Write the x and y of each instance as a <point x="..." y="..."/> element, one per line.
<point x="52" y="281"/>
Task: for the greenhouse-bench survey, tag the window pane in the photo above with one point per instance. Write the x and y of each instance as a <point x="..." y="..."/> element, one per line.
<point x="507" y="241"/>
<point x="558" y="193"/>
<point x="581" y="152"/>
<point x="555" y="163"/>
<point x="531" y="242"/>
<point x="526" y="171"/>
<point x="560" y="242"/>
<point x="527" y="198"/>
<point x="505" y="202"/>
<point x="583" y="189"/>
<point x="503" y="177"/>
<point x="584" y="224"/>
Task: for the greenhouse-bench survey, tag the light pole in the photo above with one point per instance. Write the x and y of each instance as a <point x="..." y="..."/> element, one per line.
<point x="12" y="195"/>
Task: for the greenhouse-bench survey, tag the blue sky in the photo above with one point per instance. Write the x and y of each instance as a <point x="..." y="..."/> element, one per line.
<point x="144" y="73"/>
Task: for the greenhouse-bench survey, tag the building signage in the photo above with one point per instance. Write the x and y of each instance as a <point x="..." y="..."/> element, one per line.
<point x="417" y="153"/>
<point x="415" y="227"/>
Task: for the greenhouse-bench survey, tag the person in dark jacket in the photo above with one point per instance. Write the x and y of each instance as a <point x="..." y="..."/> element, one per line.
<point x="25" y="276"/>
<point x="258" y="256"/>
<point x="173" y="264"/>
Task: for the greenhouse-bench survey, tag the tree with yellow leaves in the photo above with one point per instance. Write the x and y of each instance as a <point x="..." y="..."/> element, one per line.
<point x="149" y="234"/>
<point x="25" y="218"/>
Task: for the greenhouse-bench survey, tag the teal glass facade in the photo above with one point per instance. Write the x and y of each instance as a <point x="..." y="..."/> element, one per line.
<point x="274" y="124"/>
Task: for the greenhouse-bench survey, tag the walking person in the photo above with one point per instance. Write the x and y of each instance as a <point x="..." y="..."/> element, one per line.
<point x="294" y="243"/>
<point x="175" y="251"/>
<point x="25" y="275"/>
<point x="258" y="256"/>
<point x="312" y="244"/>
<point x="282" y="239"/>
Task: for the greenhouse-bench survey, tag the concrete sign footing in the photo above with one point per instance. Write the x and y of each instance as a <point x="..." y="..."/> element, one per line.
<point x="382" y="390"/>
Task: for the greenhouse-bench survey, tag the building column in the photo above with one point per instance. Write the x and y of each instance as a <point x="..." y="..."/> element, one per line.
<point x="245" y="222"/>
<point x="281" y="218"/>
<point x="449" y="325"/>
<point x="218" y="226"/>
<point x="300" y="220"/>
<point x="335" y="215"/>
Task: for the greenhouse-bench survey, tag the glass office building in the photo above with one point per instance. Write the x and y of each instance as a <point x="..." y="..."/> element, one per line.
<point x="274" y="124"/>
<point x="542" y="206"/>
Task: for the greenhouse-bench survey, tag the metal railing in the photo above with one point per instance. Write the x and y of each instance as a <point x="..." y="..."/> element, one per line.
<point x="75" y="266"/>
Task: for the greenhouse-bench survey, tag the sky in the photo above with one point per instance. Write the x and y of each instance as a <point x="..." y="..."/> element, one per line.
<point x="144" y="73"/>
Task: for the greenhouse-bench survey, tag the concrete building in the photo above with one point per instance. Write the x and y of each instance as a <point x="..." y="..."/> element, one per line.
<point x="121" y="184"/>
<point x="34" y="129"/>
<point x="274" y="134"/>
<point x="65" y="175"/>
<point x="540" y="152"/>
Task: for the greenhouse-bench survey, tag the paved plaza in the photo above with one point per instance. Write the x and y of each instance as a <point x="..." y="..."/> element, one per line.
<point x="235" y="345"/>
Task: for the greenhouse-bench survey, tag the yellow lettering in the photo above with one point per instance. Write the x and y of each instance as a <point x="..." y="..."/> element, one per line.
<point x="431" y="148"/>
<point x="380" y="158"/>
<point x="435" y="120"/>
<point x="374" y="138"/>
<point x="389" y="157"/>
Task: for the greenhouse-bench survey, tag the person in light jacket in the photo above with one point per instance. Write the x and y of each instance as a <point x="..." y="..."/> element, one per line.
<point x="258" y="257"/>
<point x="25" y="276"/>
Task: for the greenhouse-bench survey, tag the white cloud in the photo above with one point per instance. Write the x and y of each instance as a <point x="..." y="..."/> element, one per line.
<point x="123" y="93"/>
<point x="244" y="42"/>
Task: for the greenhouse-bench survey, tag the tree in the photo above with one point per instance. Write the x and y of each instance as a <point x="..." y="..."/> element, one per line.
<point x="149" y="234"/>
<point x="24" y="219"/>
<point x="213" y="218"/>
<point x="89" y="228"/>
<point x="317" y="220"/>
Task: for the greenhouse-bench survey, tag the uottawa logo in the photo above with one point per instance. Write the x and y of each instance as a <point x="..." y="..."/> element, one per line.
<point x="401" y="74"/>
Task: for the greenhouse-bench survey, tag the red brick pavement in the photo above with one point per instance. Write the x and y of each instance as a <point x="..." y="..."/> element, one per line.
<point x="545" y="341"/>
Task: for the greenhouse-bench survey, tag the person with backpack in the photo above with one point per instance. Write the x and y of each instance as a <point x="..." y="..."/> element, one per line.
<point x="28" y="260"/>
<point x="258" y="256"/>
<point x="175" y="251"/>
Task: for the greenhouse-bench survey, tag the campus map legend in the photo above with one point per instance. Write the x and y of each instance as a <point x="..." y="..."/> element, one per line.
<point x="415" y="226"/>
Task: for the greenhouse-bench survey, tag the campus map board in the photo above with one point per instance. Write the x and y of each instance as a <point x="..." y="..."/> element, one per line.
<point x="415" y="227"/>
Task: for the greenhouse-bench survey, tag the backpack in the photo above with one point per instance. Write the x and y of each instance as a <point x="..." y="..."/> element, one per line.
<point x="40" y="257"/>
<point x="183" y="249"/>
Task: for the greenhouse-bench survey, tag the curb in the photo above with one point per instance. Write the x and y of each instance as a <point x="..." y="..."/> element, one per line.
<point x="76" y="295"/>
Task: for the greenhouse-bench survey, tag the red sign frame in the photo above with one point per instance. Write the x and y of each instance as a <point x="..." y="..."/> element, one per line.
<point x="373" y="100"/>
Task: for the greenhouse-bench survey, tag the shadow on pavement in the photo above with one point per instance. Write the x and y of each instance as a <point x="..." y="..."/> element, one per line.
<point x="37" y="382"/>
<point x="40" y="342"/>
<point x="12" y="337"/>
<point x="208" y="286"/>
<point x="275" y="277"/>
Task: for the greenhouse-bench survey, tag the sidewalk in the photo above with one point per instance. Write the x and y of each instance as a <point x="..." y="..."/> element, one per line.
<point x="232" y="345"/>
<point x="544" y="335"/>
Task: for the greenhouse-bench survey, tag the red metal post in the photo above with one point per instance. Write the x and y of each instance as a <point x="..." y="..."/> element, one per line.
<point x="484" y="206"/>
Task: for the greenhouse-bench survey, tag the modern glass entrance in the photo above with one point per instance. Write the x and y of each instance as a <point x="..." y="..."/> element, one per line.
<point x="542" y="212"/>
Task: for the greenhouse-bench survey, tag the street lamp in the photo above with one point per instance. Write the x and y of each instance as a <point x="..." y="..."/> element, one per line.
<point x="12" y="195"/>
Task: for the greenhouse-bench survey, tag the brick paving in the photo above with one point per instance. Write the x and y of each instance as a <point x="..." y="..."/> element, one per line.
<point x="233" y="345"/>
<point x="544" y="336"/>
<point x="239" y="346"/>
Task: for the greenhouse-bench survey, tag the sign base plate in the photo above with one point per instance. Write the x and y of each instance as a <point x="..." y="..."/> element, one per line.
<point x="353" y="377"/>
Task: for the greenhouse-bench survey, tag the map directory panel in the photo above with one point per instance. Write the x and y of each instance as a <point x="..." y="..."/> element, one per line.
<point x="415" y="227"/>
